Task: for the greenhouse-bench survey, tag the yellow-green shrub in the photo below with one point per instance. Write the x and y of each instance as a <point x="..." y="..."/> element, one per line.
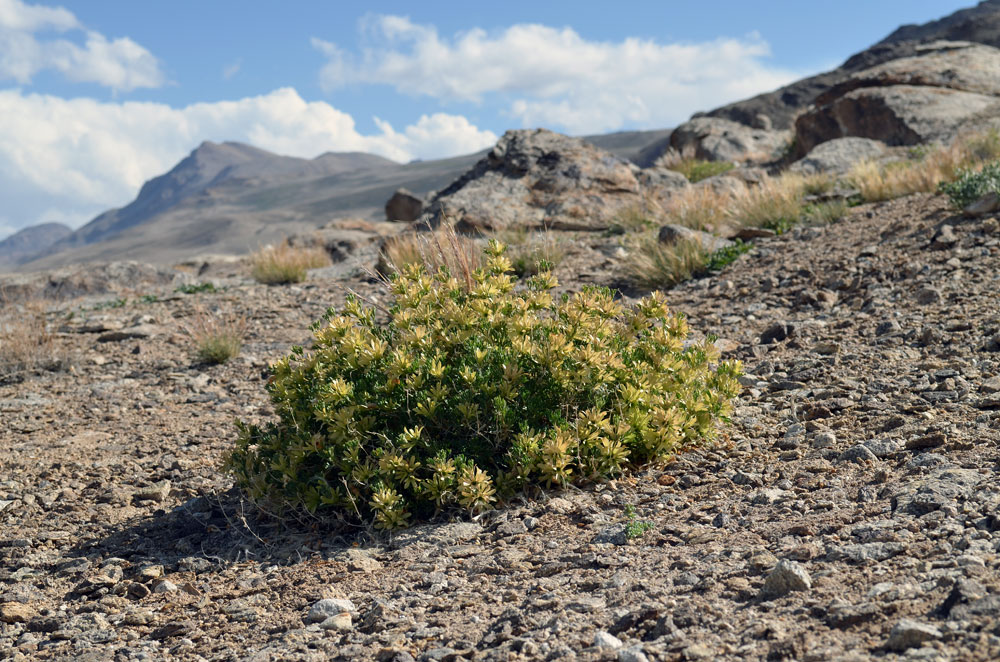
<point x="466" y="396"/>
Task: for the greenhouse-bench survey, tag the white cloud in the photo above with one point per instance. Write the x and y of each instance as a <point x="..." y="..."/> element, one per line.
<point x="68" y="159"/>
<point x="120" y="64"/>
<point x="554" y="77"/>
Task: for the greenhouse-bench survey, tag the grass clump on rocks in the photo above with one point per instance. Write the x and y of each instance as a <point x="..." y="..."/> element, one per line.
<point x="698" y="169"/>
<point x="217" y="337"/>
<point x="467" y="396"/>
<point x="283" y="263"/>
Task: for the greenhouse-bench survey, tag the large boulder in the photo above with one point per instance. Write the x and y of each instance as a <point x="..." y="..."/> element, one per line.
<point x="838" y="156"/>
<point x="946" y="88"/>
<point x="716" y="139"/>
<point x="539" y="179"/>
<point x="404" y="206"/>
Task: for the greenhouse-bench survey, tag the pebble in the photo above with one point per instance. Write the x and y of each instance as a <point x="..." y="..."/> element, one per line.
<point x="786" y="577"/>
<point x="328" y="607"/>
<point x="908" y="633"/>
<point x="165" y="586"/>
<point x="339" y="622"/>
<point x="603" y="639"/>
<point x="632" y="654"/>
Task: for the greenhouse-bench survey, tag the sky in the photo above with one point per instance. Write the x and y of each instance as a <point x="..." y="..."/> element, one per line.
<point x="98" y="96"/>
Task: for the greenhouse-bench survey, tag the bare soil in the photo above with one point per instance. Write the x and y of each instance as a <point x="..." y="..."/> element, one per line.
<point x="851" y="510"/>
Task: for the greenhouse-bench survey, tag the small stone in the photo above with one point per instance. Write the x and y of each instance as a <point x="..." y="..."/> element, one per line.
<point x="945" y="237"/>
<point x="824" y="439"/>
<point x="926" y="441"/>
<point x="165" y="586"/>
<point x="327" y="608"/>
<point x="156" y="492"/>
<point x="990" y="226"/>
<point x="786" y="577"/>
<point x="150" y="572"/>
<point x="987" y="204"/>
<point x="604" y="639"/>
<point x="632" y="654"/>
<point x="698" y="652"/>
<point x="16" y="612"/>
<point x="4" y="504"/>
<point x="776" y="333"/>
<point x="340" y="622"/>
<point x="927" y="295"/>
<point x="908" y="633"/>
<point x="137" y="591"/>
<point x="858" y="454"/>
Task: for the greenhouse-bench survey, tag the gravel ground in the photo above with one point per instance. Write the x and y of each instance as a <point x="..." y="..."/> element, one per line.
<point x="851" y="510"/>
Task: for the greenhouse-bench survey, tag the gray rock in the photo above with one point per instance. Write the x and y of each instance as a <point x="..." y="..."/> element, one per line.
<point x="657" y="178"/>
<point x="632" y="654"/>
<point x="838" y="156"/>
<point x="616" y="534"/>
<point x="538" y="179"/>
<point x="786" y="577"/>
<point x="927" y="295"/>
<point x="716" y="139"/>
<point x="908" y="633"/>
<point x="340" y="622"/>
<point x="929" y="97"/>
<point x="604" y="639"/>
<point x="865" y="552"/>
<point x="165" y="586"/>
<point x="672" y="234"/>
<point x="328" y="607"/>
<point x="858" y="454"/>
<point x="987" y="204"/>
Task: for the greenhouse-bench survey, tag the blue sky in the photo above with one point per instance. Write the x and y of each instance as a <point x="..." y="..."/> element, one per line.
<point x="99" y="96"/>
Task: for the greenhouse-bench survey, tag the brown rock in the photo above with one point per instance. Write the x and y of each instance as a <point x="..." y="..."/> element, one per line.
<point x="16" y="612"/>
<point x="403" y="206"/>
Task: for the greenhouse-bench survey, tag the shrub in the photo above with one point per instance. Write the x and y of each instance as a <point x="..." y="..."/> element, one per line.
<point x="195" y="288"/>
<point x="284" y="263"/>
<point x="467" y="396"/>
<point x="217" y="337"/>
<point x="973" y="184"/>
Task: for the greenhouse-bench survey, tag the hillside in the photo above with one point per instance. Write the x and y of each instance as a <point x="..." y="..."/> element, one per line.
<point x="231" y="198"/>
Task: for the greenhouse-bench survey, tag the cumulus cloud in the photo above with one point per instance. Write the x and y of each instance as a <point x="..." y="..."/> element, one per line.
<point x="69" y="159"/>
<point x="26" y="48"/>
<point x="554" y="77"/>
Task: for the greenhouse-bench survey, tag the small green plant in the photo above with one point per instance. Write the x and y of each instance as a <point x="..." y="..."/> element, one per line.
<point x="698" y="169"/>
<point x="283" y="263"/>
<point x="972" y="184"/>
<point x="149" y="298"/>
<point x="196" y="288"/>
<point x="823" y="213"/>
<point x="114" y="303"/>
<point x="468" y="395"/>
<point x="634" y="527"/>
<point x="533" y="257"/>
<point x="217" y="337"/>
<point x="723" y="257"/>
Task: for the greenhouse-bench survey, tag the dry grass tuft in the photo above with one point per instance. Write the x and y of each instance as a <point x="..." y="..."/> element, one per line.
<point x="283" y="263"/>
<point x="699" y="208"/>
<point x="775" y="203"/>
<point x="442" y="247"/>
<point x="656" y="265"/>
<point x="217" y="336"/>
<point x="926" y="169"/>
<point x="26" y="345"/>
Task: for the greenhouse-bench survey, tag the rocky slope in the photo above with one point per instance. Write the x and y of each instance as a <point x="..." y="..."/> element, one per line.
<point x="980" y="24"/>
<point x="850" y="512"/>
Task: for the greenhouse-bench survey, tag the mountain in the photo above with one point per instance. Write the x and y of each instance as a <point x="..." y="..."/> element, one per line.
<point x="231" y="197"/>
<point x="31" y="241"/>
<point x="979" y="24"/>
